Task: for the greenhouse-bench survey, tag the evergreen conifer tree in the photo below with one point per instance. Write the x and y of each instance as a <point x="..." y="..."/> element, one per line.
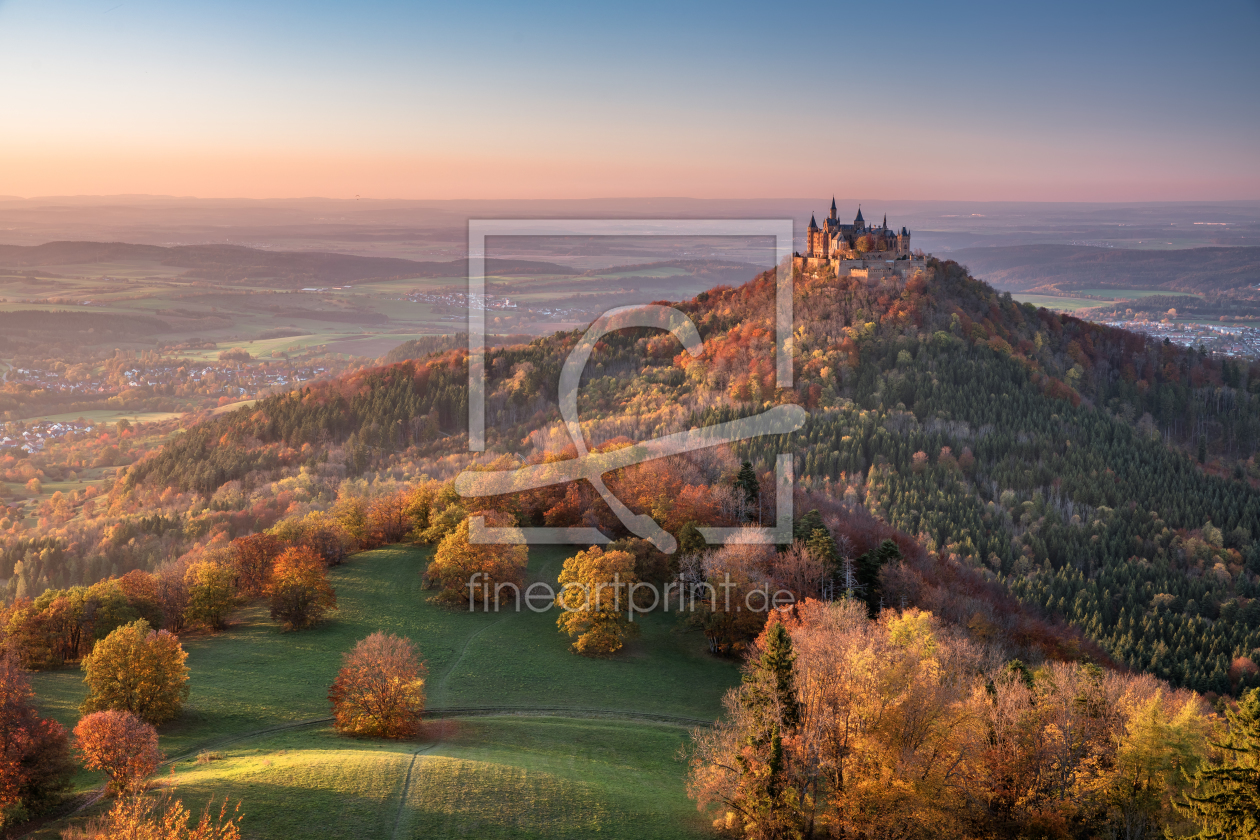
<point x="1226" y="801"/>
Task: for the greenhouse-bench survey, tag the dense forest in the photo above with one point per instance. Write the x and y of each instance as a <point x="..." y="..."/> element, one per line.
<point x="1094" y="474"/>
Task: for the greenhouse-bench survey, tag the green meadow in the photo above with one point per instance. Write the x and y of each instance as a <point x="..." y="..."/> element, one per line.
<point x="524" y="738"/>
<point x="1061" y="304"/>
<point x="1131" y="294"/>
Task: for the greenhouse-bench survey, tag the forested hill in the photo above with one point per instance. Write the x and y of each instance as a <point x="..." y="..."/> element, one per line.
<point x="1097" y="474"/>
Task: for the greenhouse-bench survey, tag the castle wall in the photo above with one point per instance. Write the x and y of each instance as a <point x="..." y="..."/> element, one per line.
<point x="873" y="267"/>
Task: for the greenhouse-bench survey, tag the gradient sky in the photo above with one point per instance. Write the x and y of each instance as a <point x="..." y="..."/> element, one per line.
<point x="917" y="100"/>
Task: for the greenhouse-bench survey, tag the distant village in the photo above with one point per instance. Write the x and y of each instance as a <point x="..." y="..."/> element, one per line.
<point x="33" y="437"/>
<point x="1226" y="340"/>
<point x="458" y="303"/>
<point x="223" y="377"/>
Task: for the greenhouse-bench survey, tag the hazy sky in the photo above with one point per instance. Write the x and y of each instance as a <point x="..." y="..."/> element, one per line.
<point x="1005" y="100"/>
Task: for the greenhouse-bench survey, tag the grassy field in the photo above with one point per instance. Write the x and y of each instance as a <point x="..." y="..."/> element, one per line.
<point x="1067" y="304"/>
<point x="1131" y="294"/>
<point x="593" y="768"/>
<point x="106" y="415"/>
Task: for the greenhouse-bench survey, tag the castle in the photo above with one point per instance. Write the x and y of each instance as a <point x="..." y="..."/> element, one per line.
<point x="859" y="249"/>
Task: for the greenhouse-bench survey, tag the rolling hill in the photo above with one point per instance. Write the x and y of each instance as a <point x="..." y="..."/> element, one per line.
<point x="237" y="264"/>
<point x="1067" y="267"/>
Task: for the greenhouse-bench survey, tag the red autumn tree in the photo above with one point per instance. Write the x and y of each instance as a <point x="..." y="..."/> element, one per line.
<point x="120" y="745"/>
<point x="299" y="591"/>
<point x="35" y="764"/>
<point x="379" y="692"/>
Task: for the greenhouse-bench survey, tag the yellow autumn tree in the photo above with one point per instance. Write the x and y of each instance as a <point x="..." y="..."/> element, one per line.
<point x="138" y="670"/>
<point x="472" y="573"/>
<point x="595" y="600"/>
<point x="211" y="593"/>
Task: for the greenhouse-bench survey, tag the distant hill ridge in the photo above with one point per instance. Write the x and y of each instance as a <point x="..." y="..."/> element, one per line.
<point x="236" y="263"/>
<point x="1027" y="267"/>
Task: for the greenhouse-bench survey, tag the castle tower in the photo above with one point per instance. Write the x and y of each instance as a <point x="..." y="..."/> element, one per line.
<point x="859" y="223"/>
<point x="885" y="221"/>
<point x="813" y="239"/>
<point x="833" y="209"/>
<point x="903" y="241"/>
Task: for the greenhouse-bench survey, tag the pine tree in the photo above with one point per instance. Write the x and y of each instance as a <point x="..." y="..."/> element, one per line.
<point x="1226" y="802"/>
<point x="747" y="481"/>
<point x="771" y="682"/>
<point x="690" y="540"/>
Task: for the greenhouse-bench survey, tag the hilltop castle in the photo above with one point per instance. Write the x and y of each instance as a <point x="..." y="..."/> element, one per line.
<point x="859" y="249"/>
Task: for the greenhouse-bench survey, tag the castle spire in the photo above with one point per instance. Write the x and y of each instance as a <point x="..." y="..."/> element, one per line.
<point x="859" y="221"/>
<point x="885" y="221"/>
<point x="833" y="208"/>
<point x="813" y="225"/>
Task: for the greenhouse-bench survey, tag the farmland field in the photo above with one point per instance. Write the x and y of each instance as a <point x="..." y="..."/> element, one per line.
<point x="1131" y="294"/>
<point x="1068" y="304"/>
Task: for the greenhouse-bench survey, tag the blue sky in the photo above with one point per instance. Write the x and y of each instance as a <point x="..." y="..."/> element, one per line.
<point x="1067" y="101"/>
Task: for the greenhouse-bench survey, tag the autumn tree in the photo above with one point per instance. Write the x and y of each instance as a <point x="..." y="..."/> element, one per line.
<point x="139" y="670"/>
<point x="595" y="600"/>
<point x="471" y="573"/>
<point x="171" y="590"/>
<point x="379" y="692"/>
<point x="35" y="766"/>
<point x="211" y="594"/>
<point x="1226" y="799"/>
<point x="900" y="727"/>
<point x="298" y="590"/>
<point x="798" y="573"/>
<point x="730" y="603"/>
<point x="319" y="532"/>
<point x="387" y="516"/>
<point x="251" y="559"/>
<point x="350" y="512"/>
<point x="163" y="817"/>
<point x="120" y="745"/>
<point x="141" y="590"/>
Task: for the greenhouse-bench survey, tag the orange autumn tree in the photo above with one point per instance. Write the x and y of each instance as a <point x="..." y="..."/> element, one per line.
<point x="138" y="670"/>
<point x="494" y="566"/>
<point x="120" y="745"/>
<point x="596" y="600"/>
<point x="379" y="692"/>
<point x="299" y="591"/>
<point x="252" y="558"/>
<point x="160" y="818"/>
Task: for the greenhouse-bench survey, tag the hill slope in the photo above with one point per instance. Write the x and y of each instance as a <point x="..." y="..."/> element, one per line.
<point x="1021" y="446"/>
